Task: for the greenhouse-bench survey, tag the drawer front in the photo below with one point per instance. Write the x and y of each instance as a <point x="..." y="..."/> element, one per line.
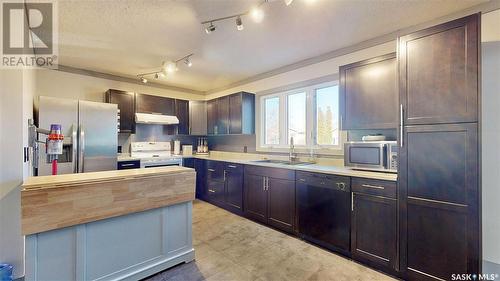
<point x="270" y="172"/>
<point x="318" y="179"/>
<point x="132" y="164"/>
<point x="215" y="171"/>
<point x="234" y="168"/>
<point x="215" y="191"/>
<point x="374" y="187"/>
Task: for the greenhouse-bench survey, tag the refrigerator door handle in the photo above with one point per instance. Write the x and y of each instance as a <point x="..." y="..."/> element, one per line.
<point x="74" y="150"/>
<point x="81" y="153"/>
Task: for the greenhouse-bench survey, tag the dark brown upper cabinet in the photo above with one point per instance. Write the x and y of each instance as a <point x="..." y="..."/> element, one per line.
<point x="211" y="117"/>
<point x="182" y="113"/>
<point x="233" y="114"/>
<point x="222" y="116"/>
<point x="439" y="73"/>
<point x="155" y="104"/>
<point x="368" y="94"/>
<point x="242" y="113"/>
<point x="126" y="105"/>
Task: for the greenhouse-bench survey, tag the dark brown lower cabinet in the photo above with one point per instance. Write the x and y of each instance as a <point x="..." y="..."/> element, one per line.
<point x="255" y="197"/>
<point x="234" y="187"/>
<point x="374" y="231"/>
<point x="270" y="197"/>
<point x="439" y="186"/>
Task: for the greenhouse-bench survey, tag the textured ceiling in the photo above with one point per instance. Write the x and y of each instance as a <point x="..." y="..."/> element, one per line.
<point x="127" y="37"/>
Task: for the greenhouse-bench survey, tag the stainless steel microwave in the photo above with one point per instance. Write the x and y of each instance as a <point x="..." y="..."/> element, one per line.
<point x="379" y="156"/>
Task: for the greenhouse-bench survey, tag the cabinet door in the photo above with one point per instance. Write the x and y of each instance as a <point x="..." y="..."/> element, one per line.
<point x="215" y="171"/>
<point x="212" y="117"/>
<point x="155" y="104"/>
<point x="255" y="198"/>
<point x="439" y="73"/>
<point x="126" y="104"/>
<point x="215" y="192"/>
<point x="374" y="230"/>
<point x="182" y="112"/>
<point x="198" y="117"/>
<point x="281" y="204"/>
<point x="438" y="183"/>
<point x="234" y="186"/>
<point x="368" y="94"/>
<point x="235" y="114"/>
<point x="223" y="115"/>
<point x="201" y="188"/>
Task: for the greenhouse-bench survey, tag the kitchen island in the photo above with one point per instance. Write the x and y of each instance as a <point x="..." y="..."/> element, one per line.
<point x="112" y="225"/>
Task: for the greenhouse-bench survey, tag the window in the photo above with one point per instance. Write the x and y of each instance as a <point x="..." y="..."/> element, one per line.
<point x="297" y="118"/>
<point x="327" y="108"/>
<point x="309" y="115"/>
<point x="271" y="120"/>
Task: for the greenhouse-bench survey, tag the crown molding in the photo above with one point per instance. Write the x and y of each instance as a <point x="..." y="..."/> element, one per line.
<point x="96" y="74"/>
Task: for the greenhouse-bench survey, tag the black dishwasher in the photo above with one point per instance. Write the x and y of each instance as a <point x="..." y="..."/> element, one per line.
<point x="324" y="210"/>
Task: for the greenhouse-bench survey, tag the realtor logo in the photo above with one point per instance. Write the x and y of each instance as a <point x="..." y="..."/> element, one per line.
<point x="29" y="35"/>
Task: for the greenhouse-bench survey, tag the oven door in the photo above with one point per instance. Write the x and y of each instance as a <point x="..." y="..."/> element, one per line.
<point x="366" y="156"/>
<point x="162" y="163"/>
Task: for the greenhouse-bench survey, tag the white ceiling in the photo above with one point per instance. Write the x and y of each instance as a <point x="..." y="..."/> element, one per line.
<point x="127" y="37"/>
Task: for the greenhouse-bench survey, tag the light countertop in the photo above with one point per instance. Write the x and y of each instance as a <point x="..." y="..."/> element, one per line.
<point x="69" y="179"/>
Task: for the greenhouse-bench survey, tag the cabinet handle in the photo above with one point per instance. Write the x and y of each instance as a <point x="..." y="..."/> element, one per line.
<point x="211" y="170"/>
<point x="401" y="124"/>
<point x="232" y="166"/>
<point x="264" y="183"/>
<point x="302" y="180"/>
<point x="211" y="190"/>
<point x="127" y="165"/>
<point x="373" y="186"/>
<point x="352" y="202"/>
<point x="225" y="175"/>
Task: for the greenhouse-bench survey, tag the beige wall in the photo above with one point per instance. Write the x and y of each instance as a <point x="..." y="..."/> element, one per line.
<point x="76" y="86"/>
<point x="491" y="138"/>
<point x="15" y="109"/>
<point x="309" y="72"/>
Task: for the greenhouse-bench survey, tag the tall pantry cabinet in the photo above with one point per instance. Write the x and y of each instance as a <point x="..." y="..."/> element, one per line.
<point x="439" y="168"/>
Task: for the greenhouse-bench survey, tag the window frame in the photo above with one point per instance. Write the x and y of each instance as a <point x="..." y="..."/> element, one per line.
<point x="311" y="126"/>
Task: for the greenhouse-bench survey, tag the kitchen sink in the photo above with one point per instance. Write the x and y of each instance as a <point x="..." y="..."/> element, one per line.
<point x="283" y="162"/>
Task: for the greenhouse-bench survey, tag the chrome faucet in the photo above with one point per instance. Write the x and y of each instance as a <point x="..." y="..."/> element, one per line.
<point x="293" y="156"/>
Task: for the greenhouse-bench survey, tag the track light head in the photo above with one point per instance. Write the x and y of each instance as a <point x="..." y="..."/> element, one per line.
<point x="239" y="23"/>
<point x="211" y="28"/>
<point x="288" y="2"/>
<point x="257" y="14"/>
<point x="188" y="62"/>
<point x="169" y="67"/>
<point x="157" y="76"/>
<point x="144" y="80"/>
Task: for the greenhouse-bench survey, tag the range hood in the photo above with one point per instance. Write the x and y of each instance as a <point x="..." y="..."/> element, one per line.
<point x="148" y="118"/>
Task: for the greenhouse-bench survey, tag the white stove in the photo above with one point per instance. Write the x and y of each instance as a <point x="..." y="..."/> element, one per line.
<point x="154" y="154"/>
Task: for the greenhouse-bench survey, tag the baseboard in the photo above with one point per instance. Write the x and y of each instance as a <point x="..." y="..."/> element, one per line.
<point x="491" y="267"/>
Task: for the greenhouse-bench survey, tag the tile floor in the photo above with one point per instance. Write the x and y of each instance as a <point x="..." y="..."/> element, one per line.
<point x="229" y="247"/>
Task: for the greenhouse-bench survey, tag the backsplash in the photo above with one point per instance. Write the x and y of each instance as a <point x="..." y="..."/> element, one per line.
<point x="232" y="143"/>
<point x="356" y="135"/>
<point x="153" y="133"/>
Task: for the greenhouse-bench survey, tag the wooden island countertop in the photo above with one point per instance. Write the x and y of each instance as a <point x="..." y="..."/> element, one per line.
<point x="53" y="202"/>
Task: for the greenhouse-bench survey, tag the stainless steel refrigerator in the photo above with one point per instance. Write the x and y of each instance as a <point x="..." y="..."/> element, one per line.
<point x="90" y="135"/>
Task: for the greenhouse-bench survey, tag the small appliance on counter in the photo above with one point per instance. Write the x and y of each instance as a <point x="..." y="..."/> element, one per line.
<point x="177" y="147"/>
<point x="154" y="154"/>
<point x="202" y="148"/>
<point x="187" y="150"/>
<point x="374" y="137"/>
<point x="379" y="156"/>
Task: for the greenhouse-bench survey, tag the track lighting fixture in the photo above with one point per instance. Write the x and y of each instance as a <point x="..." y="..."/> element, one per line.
<point x="188" y="62"/>
<point x="288" y="2"/>
<point x="211" y="28"/>
<point x="257" y="14"/>
<point x="167" y="67"/>
<point x="239" y="23"/>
